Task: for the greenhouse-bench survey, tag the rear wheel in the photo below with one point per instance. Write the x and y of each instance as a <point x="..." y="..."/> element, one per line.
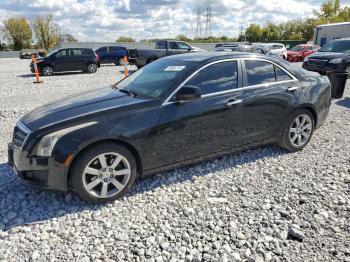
<point x="103" y="173"/>
<point x="47" y="70"/>
<point x="91" y="68"/>
<point x="298" y="130"/>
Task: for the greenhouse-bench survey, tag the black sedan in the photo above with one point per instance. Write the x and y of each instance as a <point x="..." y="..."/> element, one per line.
<point x="178" y="110"/>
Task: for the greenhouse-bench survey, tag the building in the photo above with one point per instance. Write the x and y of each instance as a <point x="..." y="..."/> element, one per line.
<point x="326" y="33"/>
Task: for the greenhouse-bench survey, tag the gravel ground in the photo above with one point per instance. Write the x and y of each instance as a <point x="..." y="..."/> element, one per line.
<point x="259" y="205"/>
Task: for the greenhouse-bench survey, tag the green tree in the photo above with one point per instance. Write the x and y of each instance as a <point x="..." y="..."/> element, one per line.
<point x="182" y="37"/>
<point x="46" y="31"/>
<point x="18" y="31"/>
<point x="254" y="33"/>
<point x="125" y="39"/>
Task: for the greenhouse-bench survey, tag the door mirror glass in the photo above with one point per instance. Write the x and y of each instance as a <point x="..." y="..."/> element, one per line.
<point x="188" y="93"/>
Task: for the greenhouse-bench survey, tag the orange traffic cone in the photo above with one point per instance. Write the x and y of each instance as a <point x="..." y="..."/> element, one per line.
<point x="126" y="70"/>
<point x="36" y="71"/>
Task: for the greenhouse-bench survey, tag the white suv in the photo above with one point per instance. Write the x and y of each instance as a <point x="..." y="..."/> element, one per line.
<point x="274" y="49"/>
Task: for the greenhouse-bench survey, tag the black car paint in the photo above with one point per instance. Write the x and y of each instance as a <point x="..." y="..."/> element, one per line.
<point x="68" y="63"/>
<point x="164" y="136"/>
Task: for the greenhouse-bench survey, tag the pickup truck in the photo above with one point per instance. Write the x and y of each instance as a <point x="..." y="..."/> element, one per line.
<point x="142" y="57"/>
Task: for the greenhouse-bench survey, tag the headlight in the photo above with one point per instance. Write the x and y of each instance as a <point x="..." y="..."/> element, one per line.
<point x="335" y="61"/>
<point x="48" y="142"/>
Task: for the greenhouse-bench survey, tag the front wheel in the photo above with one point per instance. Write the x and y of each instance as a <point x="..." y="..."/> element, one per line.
<point x="298" y="130"/>
<point x="91" y="68"/>
<point x="47" y="71"/>
<point x="103" y="173"/>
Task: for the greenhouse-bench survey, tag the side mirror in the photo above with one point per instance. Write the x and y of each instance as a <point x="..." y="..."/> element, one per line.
<point x="188" y="93"/>
<point x="190" y="49"/>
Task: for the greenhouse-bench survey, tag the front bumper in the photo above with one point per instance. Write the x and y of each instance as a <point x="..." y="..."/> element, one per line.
<point x="293" y="58"/>
<point x="38" y="172"/>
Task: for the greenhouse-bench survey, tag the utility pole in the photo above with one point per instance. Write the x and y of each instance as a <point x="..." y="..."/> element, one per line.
<point x="199" y="31"/>
<point x="208" y="29"/>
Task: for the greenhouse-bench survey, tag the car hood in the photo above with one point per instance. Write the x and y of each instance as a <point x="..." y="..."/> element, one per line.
<point x="85" y="104"/>
<point x="327" y="55"/>
<point x="293" y="53"/>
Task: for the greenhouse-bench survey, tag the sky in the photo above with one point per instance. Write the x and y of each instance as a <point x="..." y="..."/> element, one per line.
<point x="106" y="20"/>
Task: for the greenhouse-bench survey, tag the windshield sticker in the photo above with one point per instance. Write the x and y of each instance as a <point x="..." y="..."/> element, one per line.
<point x="174" y="68"/>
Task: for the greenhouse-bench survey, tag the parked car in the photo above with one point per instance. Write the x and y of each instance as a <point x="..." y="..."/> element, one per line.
<point x="112" y="54"/>
<point x="299" y="52"/>
<point x="68" y="59"/>
<point x="240" y="48"/>
<point x="27" y="53"/>
<point x="333" y="57"/>
<point x="178" y="110"/>
<point x="142" y="57"/>
<point x="276" y="49"/>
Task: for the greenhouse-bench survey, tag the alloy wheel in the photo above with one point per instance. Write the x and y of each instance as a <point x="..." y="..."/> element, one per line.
<point x="47" y="71"/>
<point x="92" y="68"/>
<point x="106" y="175"/>
<point x="300" y="130"/>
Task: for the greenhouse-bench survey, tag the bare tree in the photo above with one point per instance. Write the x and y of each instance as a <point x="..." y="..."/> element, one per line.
<point x="46" y="31"/>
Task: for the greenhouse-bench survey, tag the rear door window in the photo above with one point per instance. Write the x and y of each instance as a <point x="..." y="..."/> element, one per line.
<point x="76" y="52"/>
<point x="262" y="72"/>
<point x="102" y="50"/>
<point x="161" y="45"/>
<point x="259" y="72"/>
<point x="281" y="75"/>
<point x="216" y="78"/>
<point x="173" y="45"/>
<point x="113" y="49"/>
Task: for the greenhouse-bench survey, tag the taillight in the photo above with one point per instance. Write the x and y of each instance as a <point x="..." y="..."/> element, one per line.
<point x="97" y="57"/>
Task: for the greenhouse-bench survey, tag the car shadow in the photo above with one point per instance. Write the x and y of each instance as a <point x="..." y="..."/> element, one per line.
<point x="55" y="74"/>
<point x="26" y="75"/>
<point x="345" y="102"/>
<point x="21" y="205"/>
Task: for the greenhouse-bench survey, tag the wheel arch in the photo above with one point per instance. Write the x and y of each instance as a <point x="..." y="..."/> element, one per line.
<point x="312" y="110"/>
<point x="127" y="145"/>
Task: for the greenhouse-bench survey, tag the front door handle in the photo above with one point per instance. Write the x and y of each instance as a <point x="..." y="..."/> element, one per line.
<point x="234" y="102"/>
<point x="292" y="89"/>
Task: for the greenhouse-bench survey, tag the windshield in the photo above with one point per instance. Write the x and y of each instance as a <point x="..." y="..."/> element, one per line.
<point x="297" y="48"/>
<point x="156" y="78"/>
<point x="337" y="47"/>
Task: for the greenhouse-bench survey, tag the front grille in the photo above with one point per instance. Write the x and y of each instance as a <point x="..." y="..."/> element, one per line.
<point x="318" y="62"/>
<point x="20" y="135"/>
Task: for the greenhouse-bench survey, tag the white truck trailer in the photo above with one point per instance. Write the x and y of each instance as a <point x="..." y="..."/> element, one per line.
<point x="326" y="33"/>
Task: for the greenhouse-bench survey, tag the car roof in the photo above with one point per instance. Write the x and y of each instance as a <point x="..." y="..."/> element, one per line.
<point x="200" y="57"/>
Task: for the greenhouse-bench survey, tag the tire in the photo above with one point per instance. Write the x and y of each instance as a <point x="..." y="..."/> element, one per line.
<point x="292" y="131"/>
<point x="93" y="180"/>
<point x="120" y="62"/>
<point x="47" y="70"/>
<point x="91" y="68"/>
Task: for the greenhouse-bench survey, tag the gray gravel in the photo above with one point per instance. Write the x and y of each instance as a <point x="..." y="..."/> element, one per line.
<point x="259" y="205"/>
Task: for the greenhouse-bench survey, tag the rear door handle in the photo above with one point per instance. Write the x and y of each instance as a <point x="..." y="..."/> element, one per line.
<point x="292" y="89"/>
<point x="234" y="102"/>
